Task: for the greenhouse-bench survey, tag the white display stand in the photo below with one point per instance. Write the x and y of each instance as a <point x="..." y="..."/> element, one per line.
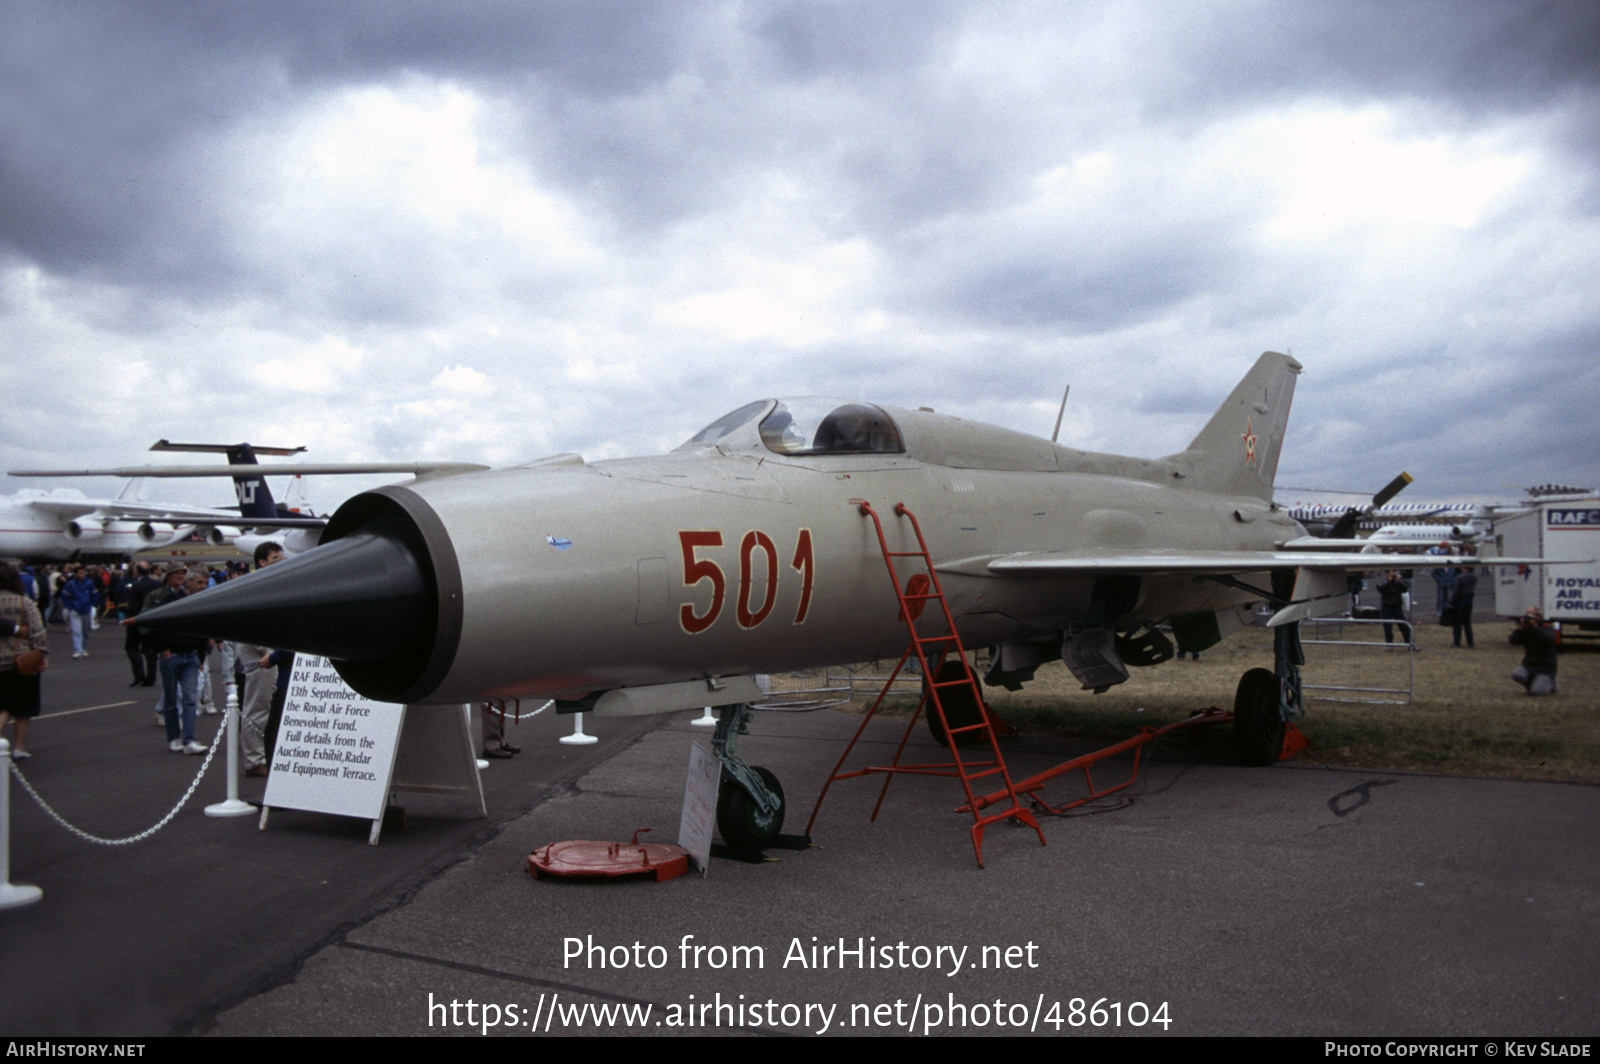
<point x="340" y="753"/>
<point x="699" y="818"/>
<point x="437" y="754"/>
<point x="579" y="737"/>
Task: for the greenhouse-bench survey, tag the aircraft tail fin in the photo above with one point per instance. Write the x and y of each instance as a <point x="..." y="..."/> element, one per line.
<point x="294" y="499"/>
<point x="255" y="498"/>
<point x="136" y="490"/>
<point x="224" y="448"/>
<point x="1237" y="452"/>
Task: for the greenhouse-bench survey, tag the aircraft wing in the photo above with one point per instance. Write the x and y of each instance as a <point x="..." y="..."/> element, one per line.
<point x="416" y="469"/>
<point x="64" y="507"/>
<point x="1323" y="543"/>
<point x="1218" y="562"/>
<point x="1320" y="580"/>
<point x="138" y="511"/>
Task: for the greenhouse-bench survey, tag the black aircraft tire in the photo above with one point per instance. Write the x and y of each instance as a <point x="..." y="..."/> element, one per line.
<point x="1257" y="727"/>
<point x="739" y="819"/>
<point x="959" y="708"/>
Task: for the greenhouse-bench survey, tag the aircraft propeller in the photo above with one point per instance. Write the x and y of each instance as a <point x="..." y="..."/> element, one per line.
<point x="1346" y="525"/>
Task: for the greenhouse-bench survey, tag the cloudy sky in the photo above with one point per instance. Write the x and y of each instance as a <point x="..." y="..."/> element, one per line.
<point x="492" y="231"/>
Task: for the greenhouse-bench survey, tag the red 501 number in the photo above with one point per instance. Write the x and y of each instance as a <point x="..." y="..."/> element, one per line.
<point x="755" y="549"/>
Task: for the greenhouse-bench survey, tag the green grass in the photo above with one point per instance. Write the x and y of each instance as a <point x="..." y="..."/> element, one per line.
<point x="1467" y="717"/>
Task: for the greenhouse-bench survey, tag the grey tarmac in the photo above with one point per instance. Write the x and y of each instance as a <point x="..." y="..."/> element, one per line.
<point x="1292" y="900"/>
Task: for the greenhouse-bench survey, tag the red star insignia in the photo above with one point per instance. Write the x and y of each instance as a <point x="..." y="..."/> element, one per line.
<point x="1249" y="438"/>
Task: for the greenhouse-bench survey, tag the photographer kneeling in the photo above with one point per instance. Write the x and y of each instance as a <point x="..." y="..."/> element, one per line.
<point x="1537" y="672"/>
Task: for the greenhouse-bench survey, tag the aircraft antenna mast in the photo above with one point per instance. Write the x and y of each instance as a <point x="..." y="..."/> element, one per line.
<point x="1059" y="413"/>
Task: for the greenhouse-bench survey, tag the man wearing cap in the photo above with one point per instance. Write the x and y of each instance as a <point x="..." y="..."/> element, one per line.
<point x="180" y="667"/>
<point x="1537" y="673"/>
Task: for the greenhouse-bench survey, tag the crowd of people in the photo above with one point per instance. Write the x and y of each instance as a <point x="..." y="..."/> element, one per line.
<point x="85" y="596"/>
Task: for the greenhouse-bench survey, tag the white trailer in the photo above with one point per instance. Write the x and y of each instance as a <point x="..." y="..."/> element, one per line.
<point x="1559" y="531"/>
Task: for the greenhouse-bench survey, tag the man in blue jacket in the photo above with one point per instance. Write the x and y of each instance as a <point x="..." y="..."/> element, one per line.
<point x="80" y="596"/>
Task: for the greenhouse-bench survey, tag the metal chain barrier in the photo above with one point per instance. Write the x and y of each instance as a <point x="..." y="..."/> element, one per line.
<point x="216" y="744"/>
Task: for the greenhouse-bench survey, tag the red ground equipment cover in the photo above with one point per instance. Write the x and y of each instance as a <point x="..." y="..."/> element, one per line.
<point x="609" y="860"/>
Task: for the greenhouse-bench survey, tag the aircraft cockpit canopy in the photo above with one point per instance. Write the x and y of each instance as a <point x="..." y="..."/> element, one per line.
<point x="809" y="426"/>
<point x="727" y="423"/>
<point x="827" y="426"/>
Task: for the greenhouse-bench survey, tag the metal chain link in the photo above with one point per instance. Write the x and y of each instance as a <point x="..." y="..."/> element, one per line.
<point x="216" y="744"/>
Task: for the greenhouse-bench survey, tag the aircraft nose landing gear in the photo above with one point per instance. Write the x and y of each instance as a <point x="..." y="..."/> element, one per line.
<point x="744" y="824"/>
<point x="750" y="805"/>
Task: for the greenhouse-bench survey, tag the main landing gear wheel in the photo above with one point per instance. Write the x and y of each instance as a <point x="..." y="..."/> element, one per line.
<point x="960" y="708"/>
<point x="739" y="818"/>
<point x="1257" y="725"/>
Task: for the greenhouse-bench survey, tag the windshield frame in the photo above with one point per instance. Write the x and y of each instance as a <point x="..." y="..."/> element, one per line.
<point x="817" y="426"/>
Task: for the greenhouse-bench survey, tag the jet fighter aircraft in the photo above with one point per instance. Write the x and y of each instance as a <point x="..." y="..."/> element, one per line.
<point x="654" y="584"/>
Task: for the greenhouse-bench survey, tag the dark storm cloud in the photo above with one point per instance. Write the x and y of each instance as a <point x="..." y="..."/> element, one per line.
<point x="107" y="110"/>
<point x="839" y="38"/>
<point x="1488" y="54"/>
<point x="1066" y="282"/>
<point x="1456" y="416"/>
<point x="953" y="204"/>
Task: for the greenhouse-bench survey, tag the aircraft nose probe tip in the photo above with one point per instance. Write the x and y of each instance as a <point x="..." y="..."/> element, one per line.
<point x="360" y="598"/>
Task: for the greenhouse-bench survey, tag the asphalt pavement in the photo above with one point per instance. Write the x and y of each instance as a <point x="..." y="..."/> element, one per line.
<point x="154" y="937"/>
<point x="1208" y="899"/>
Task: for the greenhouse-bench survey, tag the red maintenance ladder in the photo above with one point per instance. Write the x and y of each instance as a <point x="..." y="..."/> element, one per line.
<point x="919" y="590"/>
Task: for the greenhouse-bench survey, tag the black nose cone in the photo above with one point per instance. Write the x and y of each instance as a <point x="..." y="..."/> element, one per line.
<point x="364" y="598"/>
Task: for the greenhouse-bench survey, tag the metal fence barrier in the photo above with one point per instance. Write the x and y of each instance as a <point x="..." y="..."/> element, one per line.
<point x="1408" y="645"/>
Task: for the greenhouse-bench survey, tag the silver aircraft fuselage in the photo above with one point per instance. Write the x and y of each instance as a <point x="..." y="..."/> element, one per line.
<point x="728" y="559"/>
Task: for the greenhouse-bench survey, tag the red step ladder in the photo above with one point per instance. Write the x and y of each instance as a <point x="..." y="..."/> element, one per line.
<point x="919" y="590"/>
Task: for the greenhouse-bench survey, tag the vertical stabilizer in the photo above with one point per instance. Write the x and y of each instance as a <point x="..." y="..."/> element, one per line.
<point x="1237" y="452"/>
<point x="136" y="490"/>
<point x="294" y="499"/>
<point x="255" y="498"/>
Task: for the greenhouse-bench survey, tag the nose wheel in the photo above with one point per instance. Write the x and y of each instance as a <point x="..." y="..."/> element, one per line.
<point x="743" y="822"/>
<point x="750" y="803"/>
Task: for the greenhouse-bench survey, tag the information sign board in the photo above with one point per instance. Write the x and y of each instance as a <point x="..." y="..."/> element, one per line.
<point x="335" y="750"/>
<point x="700" y="805"/>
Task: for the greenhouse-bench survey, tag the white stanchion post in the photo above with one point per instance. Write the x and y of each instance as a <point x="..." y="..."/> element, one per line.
<point x="578" y="738"/>
<point x="233" y="806"/>
<point x="705" y="720"/>
<point x="12" y="895"/>
<point x="477" y="737"/>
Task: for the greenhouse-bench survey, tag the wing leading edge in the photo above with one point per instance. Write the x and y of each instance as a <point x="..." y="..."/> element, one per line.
<point x="134" y="511"/>
<point x="1318" y="585"/>
<point x="417" y="469"/>
<point x="1221" y="562"/>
